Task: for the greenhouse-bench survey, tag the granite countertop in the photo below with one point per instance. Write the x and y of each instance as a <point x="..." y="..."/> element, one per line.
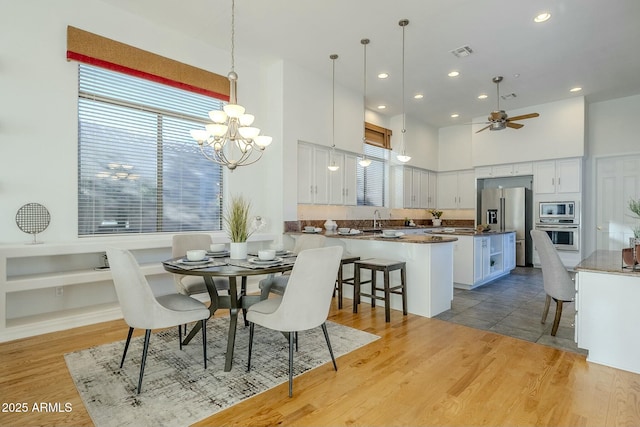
<point x="606" y="262"/>
<point x="407" y="238"/>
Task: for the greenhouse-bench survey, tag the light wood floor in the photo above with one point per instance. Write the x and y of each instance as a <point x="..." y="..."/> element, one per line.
<point x="421" y="372"/>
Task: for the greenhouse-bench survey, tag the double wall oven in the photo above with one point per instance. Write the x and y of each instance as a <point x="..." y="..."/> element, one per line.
<point x="561" y="223"/>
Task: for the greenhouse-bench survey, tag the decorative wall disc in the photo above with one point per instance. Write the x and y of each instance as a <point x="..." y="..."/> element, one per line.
<point x="33" y="218"/>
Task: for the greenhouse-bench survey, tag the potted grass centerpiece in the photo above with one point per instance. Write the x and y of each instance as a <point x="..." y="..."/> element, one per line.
<point x="436" y="214"/>
<point x="236" y="222"/>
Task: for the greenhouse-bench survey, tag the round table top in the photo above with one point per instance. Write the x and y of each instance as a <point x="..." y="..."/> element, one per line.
<point x="224" y="270"/>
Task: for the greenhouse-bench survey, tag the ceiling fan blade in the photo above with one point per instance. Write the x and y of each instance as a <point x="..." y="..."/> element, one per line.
<point x="524" y="116"/>
<point x="486" y="127"/>
<point x="514" y="125"/>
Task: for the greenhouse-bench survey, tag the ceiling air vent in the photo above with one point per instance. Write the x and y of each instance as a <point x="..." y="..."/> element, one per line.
<point x="461" y="52"/>
<point x="508" y="96"/>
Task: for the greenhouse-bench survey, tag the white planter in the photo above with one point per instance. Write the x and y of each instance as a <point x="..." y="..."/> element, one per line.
<point x="238" y="250"/>
<point x="436" y="222"/>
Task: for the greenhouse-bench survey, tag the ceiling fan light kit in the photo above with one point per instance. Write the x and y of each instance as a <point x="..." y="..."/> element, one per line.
<point x="499" y="119"/>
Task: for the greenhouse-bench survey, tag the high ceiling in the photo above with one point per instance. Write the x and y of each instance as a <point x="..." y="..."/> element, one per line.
<point x="586" y="43"/>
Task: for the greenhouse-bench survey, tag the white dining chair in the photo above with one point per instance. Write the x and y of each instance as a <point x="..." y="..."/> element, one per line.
<point x="141" y="309"/>
<point x="305" y="303"/>
<point x="558" y="284"/>
<point x="277" y="284"/>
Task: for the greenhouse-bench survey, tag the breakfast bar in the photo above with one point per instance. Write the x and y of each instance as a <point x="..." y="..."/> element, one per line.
<point x="429" y="266"/>
<point x="607" y="315"/>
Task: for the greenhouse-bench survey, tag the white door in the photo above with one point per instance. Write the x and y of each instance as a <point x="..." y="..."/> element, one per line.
<point x="617" y="180"/>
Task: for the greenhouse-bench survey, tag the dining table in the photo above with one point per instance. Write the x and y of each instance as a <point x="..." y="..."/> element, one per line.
<point x="237" y="299"/>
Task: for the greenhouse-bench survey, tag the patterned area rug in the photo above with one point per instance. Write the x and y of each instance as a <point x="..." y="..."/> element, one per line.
<point x="177" y="390"/>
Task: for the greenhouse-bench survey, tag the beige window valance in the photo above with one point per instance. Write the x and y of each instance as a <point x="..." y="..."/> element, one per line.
<point x="89" y="48"/>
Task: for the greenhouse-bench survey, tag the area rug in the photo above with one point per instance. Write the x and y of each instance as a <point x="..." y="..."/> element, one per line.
<point x="177" y="390"/>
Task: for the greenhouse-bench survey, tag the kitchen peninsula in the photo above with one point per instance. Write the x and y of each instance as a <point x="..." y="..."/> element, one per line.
<point x="607" y="315"/>
<point x="429" y="267"/>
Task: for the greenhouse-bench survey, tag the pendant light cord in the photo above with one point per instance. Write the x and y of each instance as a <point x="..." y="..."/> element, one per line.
<point x="233" y="34"/>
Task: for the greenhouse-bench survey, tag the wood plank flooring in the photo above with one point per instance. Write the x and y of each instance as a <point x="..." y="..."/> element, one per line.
<point x="421" y="372"/>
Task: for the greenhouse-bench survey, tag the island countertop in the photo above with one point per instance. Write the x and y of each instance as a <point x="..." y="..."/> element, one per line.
<point x="602" y="261"/>
<point x="407" y="238"/>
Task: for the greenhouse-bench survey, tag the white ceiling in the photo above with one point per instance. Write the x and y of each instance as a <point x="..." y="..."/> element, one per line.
<point x="588" y="43"/>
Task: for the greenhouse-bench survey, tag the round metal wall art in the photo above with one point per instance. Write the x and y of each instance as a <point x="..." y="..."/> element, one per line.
<point x="33" y="218"/>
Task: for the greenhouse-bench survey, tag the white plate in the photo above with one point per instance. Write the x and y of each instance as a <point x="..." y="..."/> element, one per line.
<point x="259" y="261"/>
<point x="283" y="253"/>
<point x="310" y="232"/>
<point x="398" y="234"/>
<point x="218" y="254"/>
<point x="187" y="262"/>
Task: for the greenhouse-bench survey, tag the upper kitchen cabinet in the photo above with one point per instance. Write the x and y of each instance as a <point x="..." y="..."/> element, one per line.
<point x="557" y="176"/>
<point x="499" y="171"/>
<point x="457" y="190"/>
<point x="317" y="184"/>
<point x="342" y="183"/>
<point x="414" y="188"/>
<point x="313" y="175"/>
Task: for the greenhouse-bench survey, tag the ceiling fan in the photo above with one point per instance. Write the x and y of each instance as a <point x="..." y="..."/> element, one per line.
<point x="499" y="120"/>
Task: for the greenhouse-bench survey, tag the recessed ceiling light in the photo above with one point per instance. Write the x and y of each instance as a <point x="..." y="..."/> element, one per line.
<point x="383" y="75"/>
<point x="575" y="89"/>
<point x="455" y="115"/>
<point x="483" y="96"/>
<point x="544" y="16"/>
<point x="418" y="96"/>
<point x="453" y="74"/>
<point x="381" y="107"/>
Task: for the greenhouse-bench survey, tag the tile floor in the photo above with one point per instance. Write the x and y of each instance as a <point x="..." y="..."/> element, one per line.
<point x="513" y="306"/>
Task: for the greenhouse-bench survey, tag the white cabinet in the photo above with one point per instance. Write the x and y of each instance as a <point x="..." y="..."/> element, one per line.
<point x="492" y="256"/>
<point x="418" y="188"/>
<point x="313" y="177"/>
<point x="509" y="251"/>
<point x="456" y="190"/>
<point x="497" y="171"/>
<point x="342" y="183"/>
<point x="557" y="176"/>
<point x="317" y="184"/>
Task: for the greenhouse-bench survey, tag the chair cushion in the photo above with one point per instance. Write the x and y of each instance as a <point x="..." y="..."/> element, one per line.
<point x="180" y="302"/>
<point x="276" y="284"/>
<point x="195" y="284"/>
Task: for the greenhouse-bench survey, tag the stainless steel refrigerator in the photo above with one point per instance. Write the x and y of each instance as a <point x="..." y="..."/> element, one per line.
<point x="510" y="209"/>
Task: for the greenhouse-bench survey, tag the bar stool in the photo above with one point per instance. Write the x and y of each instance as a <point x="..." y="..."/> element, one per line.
<point x="341" y="280"/>
<point x="385" y="266"/>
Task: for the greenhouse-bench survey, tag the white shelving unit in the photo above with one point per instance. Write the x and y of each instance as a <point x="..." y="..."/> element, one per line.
<point x="490" y="256"/>
<point x="54" y="286"/>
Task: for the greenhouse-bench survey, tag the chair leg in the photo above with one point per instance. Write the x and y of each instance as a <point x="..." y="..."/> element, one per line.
<point x="387" y="297"/>
<point x="556" y="320"/>
<point x="126" y="346"/>
<point x="251" y="327"/>
<point x="545" y="312"/>
<point x="180" y="335"/>
<point x="295" y="338"/>
<point x="356" y="287"/>
<point x="326" y="337"/>
<point x="291" y="339"/>
<point x="147" y="336"/>
<point x="204" y="341"/>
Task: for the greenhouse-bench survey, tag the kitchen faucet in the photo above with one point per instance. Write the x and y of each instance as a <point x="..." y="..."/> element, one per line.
<point x="376" y="213"/>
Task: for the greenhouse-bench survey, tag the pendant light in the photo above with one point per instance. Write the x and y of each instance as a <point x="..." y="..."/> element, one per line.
<point x="364" y="162"/>
<point x="402" y="157"/>
<point x="332" y="163"/>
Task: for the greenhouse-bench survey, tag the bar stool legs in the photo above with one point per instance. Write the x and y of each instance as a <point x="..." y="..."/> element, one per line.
<point x="341" y="280"/>
<point x="386" y="267"/>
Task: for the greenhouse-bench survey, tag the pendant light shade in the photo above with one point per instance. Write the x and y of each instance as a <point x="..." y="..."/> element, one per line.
<point x="403" y="157"/>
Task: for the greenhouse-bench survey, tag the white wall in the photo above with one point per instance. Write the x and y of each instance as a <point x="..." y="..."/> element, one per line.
<point x="455" y="148"/>
<point x="421" y="142"/>
<point x="559" y="132"/>
<point x="38" y="115"/>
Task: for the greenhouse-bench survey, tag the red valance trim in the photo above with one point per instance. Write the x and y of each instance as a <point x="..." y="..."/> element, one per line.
<point x="73" y="56"/>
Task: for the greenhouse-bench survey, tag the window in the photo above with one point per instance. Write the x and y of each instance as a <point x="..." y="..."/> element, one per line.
<point x="139" y="171"/>
<point x="371" y="180"/>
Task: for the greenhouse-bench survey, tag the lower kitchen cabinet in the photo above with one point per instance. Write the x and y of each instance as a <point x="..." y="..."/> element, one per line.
<point x="482" y="258"/>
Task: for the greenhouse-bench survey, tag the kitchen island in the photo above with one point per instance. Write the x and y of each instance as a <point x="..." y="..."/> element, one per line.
<point x="607" y="315"/>
<point x="429" y="267"/>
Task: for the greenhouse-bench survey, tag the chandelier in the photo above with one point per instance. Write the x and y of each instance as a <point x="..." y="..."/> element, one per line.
<point x="230" y="140"/>
<point x="403" y="155"/>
